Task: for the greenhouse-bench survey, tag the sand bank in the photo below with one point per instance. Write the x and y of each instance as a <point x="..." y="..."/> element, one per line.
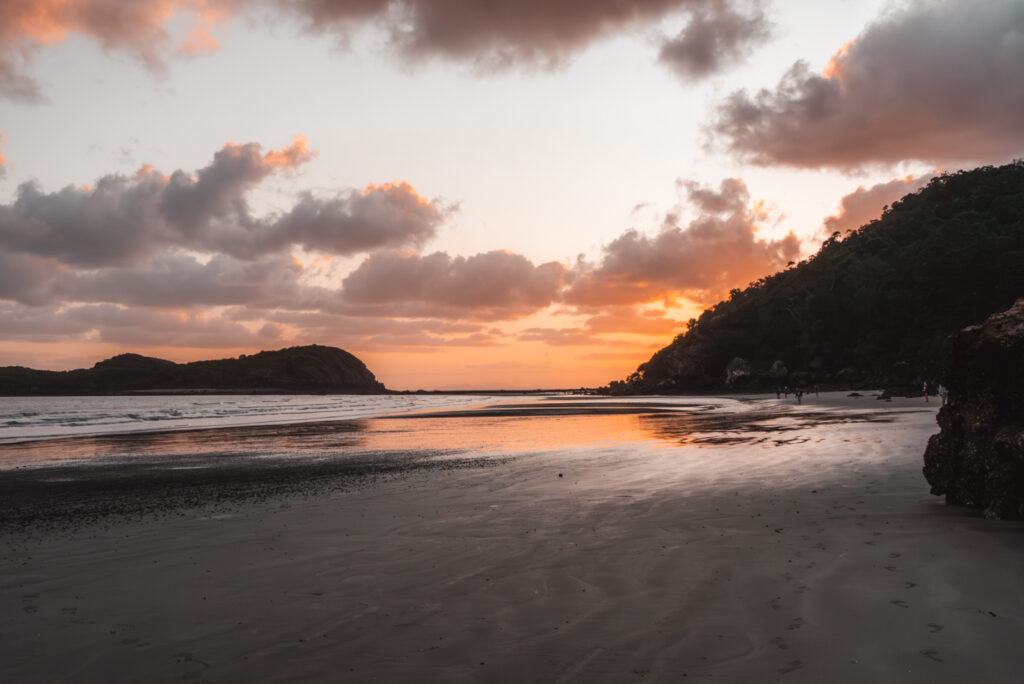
<point x="782" y="548"/>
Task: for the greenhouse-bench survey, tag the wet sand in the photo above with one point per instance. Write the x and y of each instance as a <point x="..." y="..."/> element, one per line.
<point x="767" y="542"/>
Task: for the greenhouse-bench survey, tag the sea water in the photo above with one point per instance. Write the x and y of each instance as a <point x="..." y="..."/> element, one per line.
<point x="35" y="418"/>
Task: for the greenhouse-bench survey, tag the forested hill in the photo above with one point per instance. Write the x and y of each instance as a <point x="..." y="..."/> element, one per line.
<point x="873" y="307"/>
<point x="314" y="368"/>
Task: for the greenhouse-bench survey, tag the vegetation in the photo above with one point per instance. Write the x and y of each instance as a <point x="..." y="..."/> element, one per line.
<point x="875" y="306"/>
<point x="313" y="368"/>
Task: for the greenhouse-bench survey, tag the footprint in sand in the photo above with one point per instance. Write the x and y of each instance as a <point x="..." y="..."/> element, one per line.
<point x="933" y="627"/>
<point x="780" y="643"/>
<point x="797" y="623"/>
<point x="934" y="655"/>
<point x="901" y="604"/>
<point x="30" y="609"/>
<point x="790" y="666"/>
<point x="909" y="585"/>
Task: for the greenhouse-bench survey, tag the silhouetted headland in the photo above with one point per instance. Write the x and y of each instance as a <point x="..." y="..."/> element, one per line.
<point x="313" y="368"/>
<point x="873" y="308"/>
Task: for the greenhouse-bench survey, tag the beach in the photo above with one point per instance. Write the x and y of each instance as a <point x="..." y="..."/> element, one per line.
<point x="562" y="540"/>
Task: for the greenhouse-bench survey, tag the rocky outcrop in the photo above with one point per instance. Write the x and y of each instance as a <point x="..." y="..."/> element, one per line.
<point x="736" y="371"/>
<point x="778" y="371"/>
<point x="977" y="459"/>
<point x="309" y="369"/>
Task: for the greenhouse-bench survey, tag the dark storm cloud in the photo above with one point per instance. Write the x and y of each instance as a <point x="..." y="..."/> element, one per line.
<point x="492" y="283"/>
<point x="718" y="35"/>
<point x="125" y="220"/>
<point x="717" y="251"/>
<point x="939" y="81"/>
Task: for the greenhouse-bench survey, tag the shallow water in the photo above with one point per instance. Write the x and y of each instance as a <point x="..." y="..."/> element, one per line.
<point x="221" y="431"/>
<point x="33" y="418"/>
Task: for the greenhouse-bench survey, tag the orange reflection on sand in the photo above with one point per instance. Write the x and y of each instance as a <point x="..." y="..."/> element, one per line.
<point x="505" y="434"/>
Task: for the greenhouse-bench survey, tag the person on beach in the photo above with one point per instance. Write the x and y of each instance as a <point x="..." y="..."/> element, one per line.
<point x="778" y="392"/>
<point x="799" y="394"/>
<point x="943" y="394"/>
<point x="924" y="388"/>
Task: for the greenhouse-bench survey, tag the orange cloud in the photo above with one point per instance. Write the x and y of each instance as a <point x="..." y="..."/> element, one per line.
<point x="701" y="262"/>
<point x="834" y="68"/>
<point x="3" y="159"/>
<point x="199" y="40"/>
<point x="290" y="157"/>
<point x="138" y="28"/>
<point x="147" y="171"/>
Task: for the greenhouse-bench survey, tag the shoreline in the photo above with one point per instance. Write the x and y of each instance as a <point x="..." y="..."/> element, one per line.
<point x="806" y="552"/>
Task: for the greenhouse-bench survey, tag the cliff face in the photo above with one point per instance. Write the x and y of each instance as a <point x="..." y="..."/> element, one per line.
<point x="977" y="459"/>
<point x="312" y="368"/>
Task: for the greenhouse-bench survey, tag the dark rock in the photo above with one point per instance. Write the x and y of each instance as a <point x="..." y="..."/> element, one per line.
<point x="977" y="459"/>
<point x="778" y="371"/>
<point x="736" y="372"/>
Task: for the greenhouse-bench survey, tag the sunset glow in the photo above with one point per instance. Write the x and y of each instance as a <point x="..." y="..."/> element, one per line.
<point x="542" y="200"/>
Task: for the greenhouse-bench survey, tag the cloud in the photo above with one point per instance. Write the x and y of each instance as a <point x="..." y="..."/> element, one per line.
<point x="137" y="28"/>
<point x="628" y="319"/>
<point x="568" y="337"/>
<point x="496" y="33"/>
<point x="3" y="159"/>
<point x="863" y="205"/>
<point x="717" y="36"/>
<point x="180" y="280"/>
<point x="492" y="34"/>
<point x="939" y="81"/>
<point x="123" y="326"/>
<point x="28" y="279"/>
<point x="388" y="215"/>
<point x="494" y="284"/>
<point x="126" y="220"/>
<point x="717" y="251"/>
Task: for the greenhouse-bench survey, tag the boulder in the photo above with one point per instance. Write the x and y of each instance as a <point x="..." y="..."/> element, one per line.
<point x="736" y="371"/>
<point x="778" y="371"/>
<point x="977" y="458"/>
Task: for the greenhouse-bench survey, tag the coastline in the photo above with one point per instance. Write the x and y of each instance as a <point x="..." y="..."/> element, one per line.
<point x="796" y="551"/>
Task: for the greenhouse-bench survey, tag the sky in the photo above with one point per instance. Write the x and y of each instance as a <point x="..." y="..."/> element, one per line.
<point x="464" y="194"/>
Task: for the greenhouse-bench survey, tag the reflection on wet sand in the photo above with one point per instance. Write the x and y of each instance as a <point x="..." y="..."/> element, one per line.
<point x="504" y="428"/>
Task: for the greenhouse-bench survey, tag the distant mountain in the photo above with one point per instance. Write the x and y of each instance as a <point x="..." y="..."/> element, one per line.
<point x="873" y="307"/>
<point x="314" y="368"/>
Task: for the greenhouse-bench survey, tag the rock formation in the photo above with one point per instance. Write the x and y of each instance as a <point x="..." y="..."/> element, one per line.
<point x="977" y="459"/>
<point x="736" y="372"/>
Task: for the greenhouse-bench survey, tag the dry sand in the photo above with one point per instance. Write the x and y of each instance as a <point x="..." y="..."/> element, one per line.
<point x="800" y="551"/>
